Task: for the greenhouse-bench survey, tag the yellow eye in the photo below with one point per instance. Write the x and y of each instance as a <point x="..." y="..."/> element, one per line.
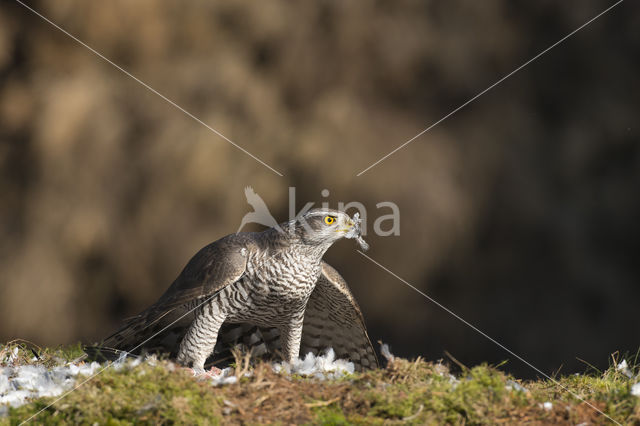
<point x="329" y="220"/>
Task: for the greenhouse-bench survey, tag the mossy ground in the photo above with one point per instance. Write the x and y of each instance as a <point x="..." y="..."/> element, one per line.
<point x="415" y="392"/>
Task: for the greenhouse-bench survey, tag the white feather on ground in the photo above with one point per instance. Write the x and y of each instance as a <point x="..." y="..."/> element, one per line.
<point x="319" y="366"/>
<point x="20" y="384"/>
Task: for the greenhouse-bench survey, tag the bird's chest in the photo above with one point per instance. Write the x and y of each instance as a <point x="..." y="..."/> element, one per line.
<point x="274" y="289"/>
<point x="283" y="278"/>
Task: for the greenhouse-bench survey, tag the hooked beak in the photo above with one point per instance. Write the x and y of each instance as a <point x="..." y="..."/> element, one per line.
<point x="349" y="228"/>
<point x="353" y="231"/>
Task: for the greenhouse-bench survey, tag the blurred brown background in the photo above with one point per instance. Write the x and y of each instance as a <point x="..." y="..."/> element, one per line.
<point x="520" y="213"/>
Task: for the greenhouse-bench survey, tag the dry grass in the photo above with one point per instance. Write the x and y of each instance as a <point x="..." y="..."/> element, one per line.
<point x="405" y="391"/>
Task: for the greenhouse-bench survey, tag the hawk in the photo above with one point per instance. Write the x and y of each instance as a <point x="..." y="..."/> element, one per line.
<point x="268" y="290"/>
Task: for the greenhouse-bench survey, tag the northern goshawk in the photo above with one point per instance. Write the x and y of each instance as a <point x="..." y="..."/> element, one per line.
<point x="268" y="290"/>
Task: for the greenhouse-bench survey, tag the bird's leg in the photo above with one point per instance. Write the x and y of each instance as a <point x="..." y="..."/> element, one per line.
<point x="200" y="339"/>
<point x="290" y="336"/>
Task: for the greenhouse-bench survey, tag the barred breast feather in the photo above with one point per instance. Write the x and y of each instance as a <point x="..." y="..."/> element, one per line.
<point x="332" y="319"/>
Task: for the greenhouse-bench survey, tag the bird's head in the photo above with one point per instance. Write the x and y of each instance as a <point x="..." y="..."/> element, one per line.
<point x="323" y="227"/>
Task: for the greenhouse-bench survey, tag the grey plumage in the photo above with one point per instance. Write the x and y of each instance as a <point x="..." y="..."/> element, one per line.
<point x="270" y="289"/>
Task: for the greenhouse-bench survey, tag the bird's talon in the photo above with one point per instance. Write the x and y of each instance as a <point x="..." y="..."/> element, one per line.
<point x="213" y="372"/>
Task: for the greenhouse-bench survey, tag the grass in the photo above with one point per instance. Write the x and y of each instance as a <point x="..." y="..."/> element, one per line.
<point x="413" y="392"/>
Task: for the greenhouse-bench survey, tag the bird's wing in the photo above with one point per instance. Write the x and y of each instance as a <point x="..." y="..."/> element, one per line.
<point x="214" y="267"/>
<point x="333" y="320"/>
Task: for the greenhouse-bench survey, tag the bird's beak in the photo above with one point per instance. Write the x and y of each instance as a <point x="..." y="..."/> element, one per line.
<point x="351" y="229"/>
<point x="350" y="225"/>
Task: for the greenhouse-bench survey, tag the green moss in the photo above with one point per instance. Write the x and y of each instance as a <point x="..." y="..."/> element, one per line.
<point x="145" y="393"/>
<point x="330" y="416"/>
<point x="414" y="392"/>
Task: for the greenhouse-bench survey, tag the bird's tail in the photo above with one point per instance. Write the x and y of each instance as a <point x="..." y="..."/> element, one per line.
<point x="150" y="332"/>
<point x="104" y="354"/>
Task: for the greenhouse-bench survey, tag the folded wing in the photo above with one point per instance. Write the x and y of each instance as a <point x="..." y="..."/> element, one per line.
<point x="161" y="327"/>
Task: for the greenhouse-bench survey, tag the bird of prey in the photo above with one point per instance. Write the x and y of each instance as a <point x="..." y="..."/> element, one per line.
<point x="269" y="290"/>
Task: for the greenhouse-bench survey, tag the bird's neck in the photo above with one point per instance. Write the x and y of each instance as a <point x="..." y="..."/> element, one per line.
<point x="313" y="253"/>
<point x="291" y="241"/>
